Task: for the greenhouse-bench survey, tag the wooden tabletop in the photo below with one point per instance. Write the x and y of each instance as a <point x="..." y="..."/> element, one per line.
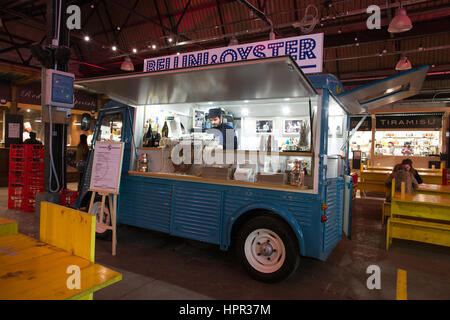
<point x="424" y="199"/>
<point x="438" y="188"/>
<point x="33" y="270"/>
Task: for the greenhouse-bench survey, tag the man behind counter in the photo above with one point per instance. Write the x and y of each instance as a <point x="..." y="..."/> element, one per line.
<point x="221" y="129"/>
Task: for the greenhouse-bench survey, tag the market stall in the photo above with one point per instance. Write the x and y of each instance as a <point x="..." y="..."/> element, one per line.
<point x="279" y="194"/>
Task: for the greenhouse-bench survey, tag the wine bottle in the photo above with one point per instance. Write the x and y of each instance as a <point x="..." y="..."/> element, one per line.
<point x="148" y="142"/>
<point x="165" y="130"/>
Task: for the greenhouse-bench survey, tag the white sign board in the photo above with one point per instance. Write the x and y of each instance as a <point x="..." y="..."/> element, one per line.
<point x="306" y="50"/>
<point x="14" y="130"/>
<point x="107" y="167"/>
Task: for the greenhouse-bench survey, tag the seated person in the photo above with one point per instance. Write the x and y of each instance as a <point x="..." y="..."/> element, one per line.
<point x="401" y="174"/>
<point x="409" y="167"/>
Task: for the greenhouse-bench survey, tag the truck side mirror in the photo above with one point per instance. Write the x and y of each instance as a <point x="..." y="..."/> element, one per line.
<point x="86" y="122"/>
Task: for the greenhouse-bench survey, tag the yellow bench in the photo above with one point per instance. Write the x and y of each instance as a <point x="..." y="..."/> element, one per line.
<point x="385" y="211"/>
<point x="419" y="217"/>
<point x="7" y="227"/>
<point x="42" y="269"/>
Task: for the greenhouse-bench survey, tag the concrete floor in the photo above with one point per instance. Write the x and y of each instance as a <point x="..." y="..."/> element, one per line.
<point x="158" y="266"/>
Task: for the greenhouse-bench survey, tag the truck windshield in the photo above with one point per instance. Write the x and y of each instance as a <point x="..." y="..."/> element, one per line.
<point x="111" y="127"/>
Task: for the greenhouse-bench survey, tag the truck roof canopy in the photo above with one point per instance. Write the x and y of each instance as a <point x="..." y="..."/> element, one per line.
<point x="268" y="78"/>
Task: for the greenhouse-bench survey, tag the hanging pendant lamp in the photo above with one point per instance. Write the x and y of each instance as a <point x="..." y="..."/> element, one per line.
<point x="401" y="22"/>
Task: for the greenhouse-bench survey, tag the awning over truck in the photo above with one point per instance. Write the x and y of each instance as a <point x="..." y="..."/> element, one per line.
<point x="269" y="78"/>
<point x="383" y="92"/>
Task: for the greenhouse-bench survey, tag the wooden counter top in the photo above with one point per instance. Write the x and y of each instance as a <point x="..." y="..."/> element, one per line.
<point x="234" y="183"/>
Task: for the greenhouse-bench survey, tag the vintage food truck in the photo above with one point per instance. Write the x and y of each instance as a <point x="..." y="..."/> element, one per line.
<point x="283" y="193"/>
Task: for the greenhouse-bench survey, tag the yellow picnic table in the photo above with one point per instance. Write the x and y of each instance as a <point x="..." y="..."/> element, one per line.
<point x="434" y="189"/>
<point x="47" y="269"/>
<point x="382" y="175"/>
<point x="420" y="170"/>
<point x="419" y="217"/>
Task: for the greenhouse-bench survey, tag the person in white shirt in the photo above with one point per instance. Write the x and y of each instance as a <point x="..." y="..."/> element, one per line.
<point x="26" y="131"/>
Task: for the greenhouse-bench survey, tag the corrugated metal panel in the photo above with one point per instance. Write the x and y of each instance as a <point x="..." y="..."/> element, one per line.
<point x="144" y="203"/>
<point x="333" y="226"/>
<point x="196" y="213"/>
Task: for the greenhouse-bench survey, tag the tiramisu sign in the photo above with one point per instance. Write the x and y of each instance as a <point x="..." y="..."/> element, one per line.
<point x="424" y="121"/>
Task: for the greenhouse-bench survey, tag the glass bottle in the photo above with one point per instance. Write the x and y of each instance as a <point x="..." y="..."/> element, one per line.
<point x="165" y="130"/>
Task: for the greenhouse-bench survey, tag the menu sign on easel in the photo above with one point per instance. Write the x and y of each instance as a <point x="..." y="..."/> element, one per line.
<point x="107" y="167"/>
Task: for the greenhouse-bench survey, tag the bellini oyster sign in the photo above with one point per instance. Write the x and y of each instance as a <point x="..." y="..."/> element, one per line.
<point x="307" y="51"/>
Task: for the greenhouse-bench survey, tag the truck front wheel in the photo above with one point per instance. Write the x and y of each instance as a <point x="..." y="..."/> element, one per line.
<point x="267" y="249"/>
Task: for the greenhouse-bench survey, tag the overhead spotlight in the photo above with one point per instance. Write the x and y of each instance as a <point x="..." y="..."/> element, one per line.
<point x="118" y="28"/>
<point x="92" y="6"/>
<point x="86" y="38"/>
<point x="114" y="48"/>
<point x="401" y="22"/>
<point x="170" y="39"/>
<point x="127" y="65"/>
<point x="340" y="30"/>
<point x="178" y="53"/>
<point x="153" y="46"/>
<point x="134" y="50"/>
<point x="403" y="64"/>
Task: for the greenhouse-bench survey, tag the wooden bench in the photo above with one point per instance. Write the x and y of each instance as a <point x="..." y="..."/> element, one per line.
<point x="419" y="217"/>
<point x="40" y="269"/>
<point x="7" y="227"/>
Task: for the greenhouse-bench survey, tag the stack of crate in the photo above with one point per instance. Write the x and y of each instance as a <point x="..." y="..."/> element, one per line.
<point x="26" y="176"/>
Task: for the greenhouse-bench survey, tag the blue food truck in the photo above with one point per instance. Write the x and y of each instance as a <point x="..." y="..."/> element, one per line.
<point x="263" y="208"/>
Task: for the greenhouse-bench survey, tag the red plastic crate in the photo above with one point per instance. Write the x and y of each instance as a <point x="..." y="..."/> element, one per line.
<point x="15" y="203"/>
<point x="26" y="176"/>
<point x="17" y="151"/>
<point x="34" y="151"/>
<point x="68" y="197"/>
<point x="34" y="165"/>
<point x="16" y="180"/>
<point x="16" y="165"/>
<point x="30" y="191"/>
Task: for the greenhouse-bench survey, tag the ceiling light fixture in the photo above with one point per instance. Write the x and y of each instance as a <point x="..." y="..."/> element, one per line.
<point x="401" y="22"/>
<point x="127" y="65"/>
<point x="114" y="48"/>
<point x="154" y="46"/>
<point x="134" y="50"/>
<point x="86" y="38"/>
<point x="170" y="39"/>
<point x="403" y="64"/>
